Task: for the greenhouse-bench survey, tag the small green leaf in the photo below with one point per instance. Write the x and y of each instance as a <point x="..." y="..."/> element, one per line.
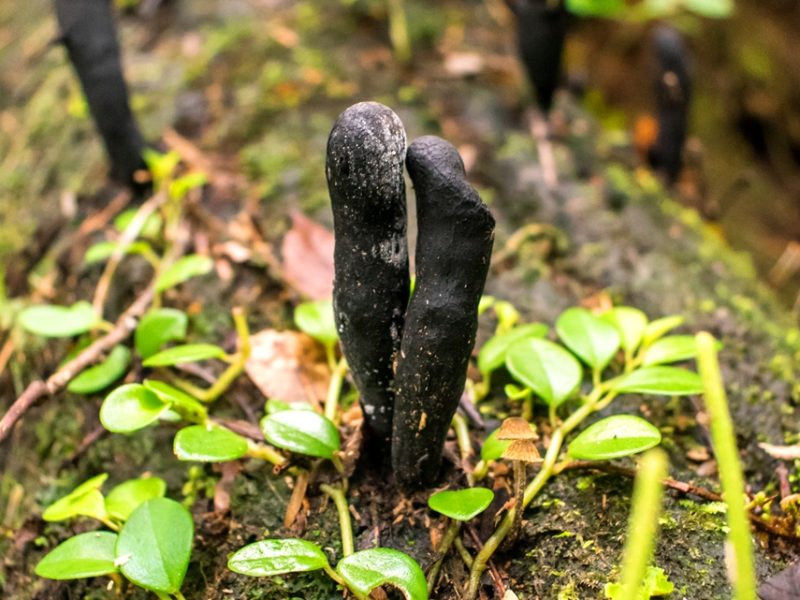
<point x="184" y="354"/>
<point x="666" y="381"/>
<point x="316" y="319"/>
<point x="366" y="570"/>
<point x="608" y="9"/>
<point x="712" y="9"/>
<point x="274" y="405"/>
<point x="493" y="353"/>
<point x="673" y="348"/>
<point x="158" y="327"/>
<point x="131" y="407"/>
<point x="630" y="324"/>
<point x="301" y="431"/>
<point x="188" y="406"/>
<point x="150" y="229"/>
<point x="127" y="496"/>
<point x="101" y="376"/>
<point x="85" y="555"/>
<point x="656" y="583"/>
<point x="49" y="320"/>
<point x="493" y="448"/>
<point x="277" y="557"/>
<point x="186" y="267"/>
<point x="593" y="339"/>
<point x="85" y="500"/>
<point x="549" y="370"/>
<point x="155" y="545"/>
<point x="614" y="437"/>
<point x="103" y="250"/>
<point x="208" y="444"/>
<point x="461" y="505"/>
<point x="659" y="328"/>
<point x="183" y="185"/>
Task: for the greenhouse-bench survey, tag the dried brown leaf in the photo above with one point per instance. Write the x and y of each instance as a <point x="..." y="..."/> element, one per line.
<point x="307" y="252"/>
<point x="289" y="366"/>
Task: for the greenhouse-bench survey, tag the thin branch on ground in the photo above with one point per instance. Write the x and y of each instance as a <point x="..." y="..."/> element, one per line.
<point x="126" y="239"/>
<point x="92" y="354"/>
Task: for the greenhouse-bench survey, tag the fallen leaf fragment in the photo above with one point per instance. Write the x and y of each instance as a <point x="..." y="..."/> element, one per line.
<point x="307" y="252"/>
<point x="288" y="366"/>
<point x="782" y="452"/>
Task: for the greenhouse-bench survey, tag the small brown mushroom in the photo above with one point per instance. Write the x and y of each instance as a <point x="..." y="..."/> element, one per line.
<point x="520" y="452"/>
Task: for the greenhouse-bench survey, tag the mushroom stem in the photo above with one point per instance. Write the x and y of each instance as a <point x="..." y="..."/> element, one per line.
<point x="366" y="150"/>
<point x="520" y="478"/>
<point x="456" y="232"/>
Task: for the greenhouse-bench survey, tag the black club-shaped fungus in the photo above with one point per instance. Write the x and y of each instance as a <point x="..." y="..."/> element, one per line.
<point x="454" y="245"/>
<point x="366" y="151"/>
<point x="90" y="37"/>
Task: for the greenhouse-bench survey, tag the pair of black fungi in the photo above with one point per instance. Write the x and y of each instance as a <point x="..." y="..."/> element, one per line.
<point x="408" y="353"/>
<point x="88" y="32"/>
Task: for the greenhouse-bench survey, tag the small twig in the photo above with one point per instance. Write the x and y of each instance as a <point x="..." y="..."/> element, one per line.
<point x="86" y="443"/>
<point x="495" y="574"/>
<point x="128" y="236"/>
<point x="58" y="380"/>
<point x="99" y="220"/>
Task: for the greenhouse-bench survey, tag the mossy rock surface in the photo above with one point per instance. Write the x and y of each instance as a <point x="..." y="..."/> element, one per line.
<point x="616" y="231"/>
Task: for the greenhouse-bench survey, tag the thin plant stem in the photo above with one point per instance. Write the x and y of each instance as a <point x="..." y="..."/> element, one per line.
<point x="231" y="373"/>
<point x="266" y="453"/>
<point x="648" y="492"/>
<point x="398" y="31"/>
<point x="462" y="551"/>
<point x="330" y="355"/>
<point x="464" y="445"/>
<point x="335" y="576"/>
<point x="723" y="439"/>
<point x="179" y="595"/>
<point x="335" y="390"/>
<point x="450" y="535"/>
<point x="337" y="495"/>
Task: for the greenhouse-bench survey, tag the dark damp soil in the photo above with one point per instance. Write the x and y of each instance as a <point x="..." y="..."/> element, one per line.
<point x="256" y="87"/>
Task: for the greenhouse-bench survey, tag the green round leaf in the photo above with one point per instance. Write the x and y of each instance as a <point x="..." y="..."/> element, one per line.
<point x="150" y="229"/>
<point x="276" y="557"/>
<point x="461" y="505"/>
<point x="88" y="554"/>
<point x="127" y="496"/>
<point x="186" y="267"/>
<point x="614" y="437"/>
<point x="630" y="324"/>
<point x="301" y="431"/>
<point x="187" y="406"/>
<point x="48" y="320"/>
<point x="101" y="376"/>
<point x="366" y="570"/>
<point x="493" y="448"/>
<point x="85" y="500"/>
<point x="596" y="8"/>
<point x="594" y="340"/>
<point x="103" y="250"/>
<point x="208" y="444"/>
<point x="155" y="545"/>
<point x="549" y="370"/>
<point x="131" y="407"/>
<point x="184" y="354"/>
<point x="673" y="348"/>
<point x="274" y="405"/>
<point x="158" y="327"/>
<point x="713" y="9"/>
<point x="316" y="319"/>
<point x="659" y="328"/>
<point x="666" y="381"/>
<point x="493" y="353"/>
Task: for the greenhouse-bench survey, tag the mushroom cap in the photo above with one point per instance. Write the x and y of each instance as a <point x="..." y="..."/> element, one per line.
<point x="524" y="450"/>
<point x="516" y="428"/>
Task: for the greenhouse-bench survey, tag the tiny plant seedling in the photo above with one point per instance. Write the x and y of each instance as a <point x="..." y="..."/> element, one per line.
<point x="150" y="541"/>
<point x="612" y="348"/>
